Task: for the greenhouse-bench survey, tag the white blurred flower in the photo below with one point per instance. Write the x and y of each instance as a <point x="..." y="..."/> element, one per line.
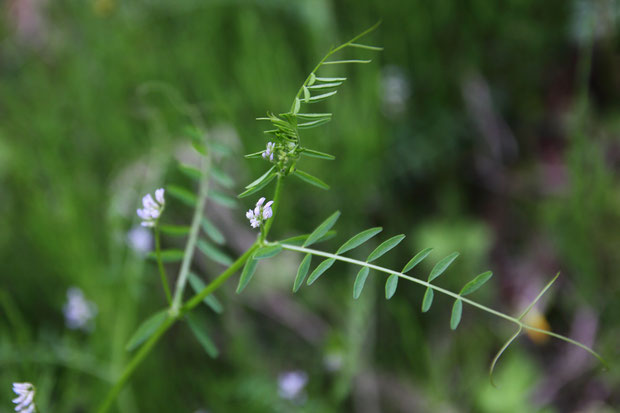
<point x="151" y="210"/>
<point x="78" y="311"/>
<point x="25" y="397"/>
<point x="395" y="90"/>
<point x="269" y="151"/>
<point x="140" y="240"/>
<point x="291" y="384"/>
<point x="260" y="213"/>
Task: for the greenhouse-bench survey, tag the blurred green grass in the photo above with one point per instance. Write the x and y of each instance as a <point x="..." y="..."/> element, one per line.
<point x="79" y="145"/>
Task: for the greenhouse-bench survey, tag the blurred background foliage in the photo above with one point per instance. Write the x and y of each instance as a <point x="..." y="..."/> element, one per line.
<point x="490" y="128"/>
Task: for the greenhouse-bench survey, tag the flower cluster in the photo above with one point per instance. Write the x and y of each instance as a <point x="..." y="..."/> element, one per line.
<point x="269" y="151"/>
<point x="291" y="385"/>
<point x="152" y="210"/>
<point x="25" y="397"/>
<point x="260" y="214"/>
<point x="78" y="310"/>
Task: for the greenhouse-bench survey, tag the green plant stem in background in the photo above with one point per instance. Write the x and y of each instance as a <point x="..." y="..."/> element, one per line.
<point x="193" y="236"/>
<point x="160" y="266"/>
<point x="146" y="348"/>
<point x="514" y="320"/>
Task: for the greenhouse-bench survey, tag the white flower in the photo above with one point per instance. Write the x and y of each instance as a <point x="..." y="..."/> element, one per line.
<point x="291" y="384"/>
<point x="25" y="397"/>
<point x="260" y="213"/>
<point x="78" y="311"/>
<point x="151" y="210"/>
<point x="269" y="151"/>
<point x="140" y="240"/>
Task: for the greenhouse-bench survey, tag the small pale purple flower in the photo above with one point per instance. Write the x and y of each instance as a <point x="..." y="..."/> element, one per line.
<point x="291" y="384"/>
<point x="269" y="151"/>
<point x="25" y="397"/>
<point x="78" y="310"/>
<point x="140" y="240"/>
<point x="151" y="209"/>
<point x="260" y="213"/>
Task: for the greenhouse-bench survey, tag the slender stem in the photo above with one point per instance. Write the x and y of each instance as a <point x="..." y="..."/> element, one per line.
<point x="514" y="320"/>
<point x="160" y="266"/>
<point x="193" y="237"/>
<point x="172" y="318"/>
<point x="330" y="53"/>
<point x="275" y="207"/>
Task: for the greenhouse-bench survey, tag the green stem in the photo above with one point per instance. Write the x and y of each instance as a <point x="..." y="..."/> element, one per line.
<point x="449" y="293"/>
<point x="160" y="266"/>
<point x="193" y="237"/>
<point x="172" y="318"/>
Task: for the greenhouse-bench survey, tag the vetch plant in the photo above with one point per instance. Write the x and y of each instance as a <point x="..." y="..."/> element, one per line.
<point x="284" y="152"/>
<point x="25" y="397"/>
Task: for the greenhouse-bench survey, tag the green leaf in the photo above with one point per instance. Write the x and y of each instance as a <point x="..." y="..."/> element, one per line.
<point x="457" y="311"/>
<point x="296" y="106"/>
<point x="213" y="253"/>
<point x="257" y="188"/>
<point x="182" y="194"/>
<point x="316" y="154"/>
<point x="172" y="255"/>
<point x="174" y="230"/>
<point x="320" y="269"/>
<point x="427" y="301"/>
<point x="385" y="247"/>
<point x="312" y="180"/>
<point x="247" y="274"/>
<point x="220" y="148"/>
<point x="146" y="329"/>
<point x="254" y="155"/>
<point x="441" y="266"/>
<point x="325" y="85"/>
<point x="312" y="79"/>
<point x="222" y="199"/>
<point x="190" y="171"/>
<point x="306" y="94"/>
<point x="313" y="116"/>
<point x="211" y="301"/>
<point x="417" y="259"/>
<point x="365" y="46"/>
<point x="313" y="124"/>
<point x="360" y="280"/>
<point x="212" y="231"/>
<point x="261" y="178"/>
<point x="390" y="286"/>
<point x="340" y="62"/>
<point x="322" y="97"/>
<point x="476" y="283"/>
<point x="200" y="147"/>
<point x="201" y="335"/>
<point x="357" y="240"/>
<point x="322" y="229"/>
<point x="331" y="79"/>
<point x="222" y="177"/>
<point x="267" y="252"/>
<point x="302" y="271"/>
<point x="300" y="239"/>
